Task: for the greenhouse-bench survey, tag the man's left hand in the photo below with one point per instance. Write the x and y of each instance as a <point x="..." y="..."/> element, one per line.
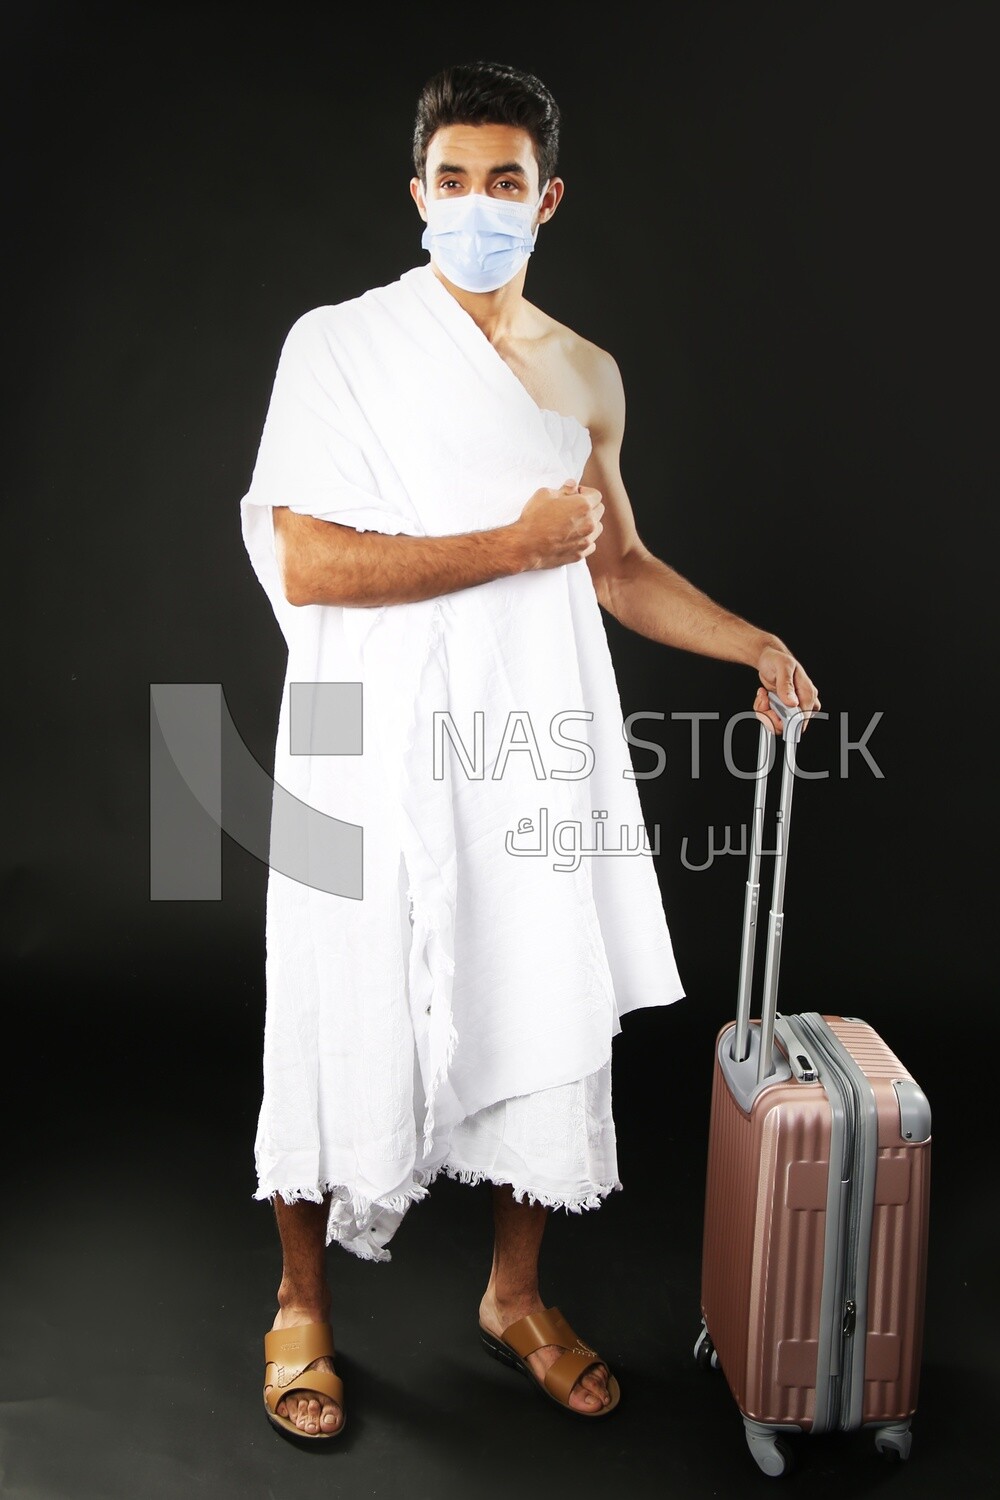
<point x="780" y="673"/>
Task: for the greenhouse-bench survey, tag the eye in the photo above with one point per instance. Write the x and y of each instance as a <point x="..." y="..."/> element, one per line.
<point x="508" y="183"/>
<point x="448" y="184"/>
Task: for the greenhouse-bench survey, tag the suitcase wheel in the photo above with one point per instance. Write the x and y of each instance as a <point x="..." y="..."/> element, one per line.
<point x="894" y="1441"/>
<point x="772" y="1454"/>
<point x="704" y="1350"/>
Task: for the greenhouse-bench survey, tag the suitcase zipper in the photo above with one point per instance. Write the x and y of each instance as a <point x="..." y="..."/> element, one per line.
<point x="840" y="1373"/>
<point x="852" y="1169"/>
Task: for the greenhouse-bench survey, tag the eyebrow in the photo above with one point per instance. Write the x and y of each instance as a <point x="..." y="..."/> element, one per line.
<point x="448" y="170"/>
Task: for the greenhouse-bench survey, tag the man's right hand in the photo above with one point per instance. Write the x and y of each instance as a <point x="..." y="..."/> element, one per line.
<point x="560" y="526"/>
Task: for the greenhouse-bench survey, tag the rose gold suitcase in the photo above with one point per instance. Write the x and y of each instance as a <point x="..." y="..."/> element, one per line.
<point x="814" y="1256"/>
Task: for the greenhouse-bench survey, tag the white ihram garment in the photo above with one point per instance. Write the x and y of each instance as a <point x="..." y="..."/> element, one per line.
<point x="459" y="1017"/>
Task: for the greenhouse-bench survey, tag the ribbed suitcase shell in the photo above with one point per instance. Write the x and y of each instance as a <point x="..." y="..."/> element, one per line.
<point x="763" y="1258"/>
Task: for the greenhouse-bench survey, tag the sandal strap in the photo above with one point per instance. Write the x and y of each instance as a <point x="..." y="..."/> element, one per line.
<point x="564" y="1372"/>
<point x="537" y="1329"/>
<point x="291" y="1349"/>
<point x="321" y="1381"/>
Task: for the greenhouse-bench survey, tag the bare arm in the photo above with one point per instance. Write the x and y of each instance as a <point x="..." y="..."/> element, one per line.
<point x="654" y="599"/>
<point x="647" y="595"/>
<point x="323" y="562"/>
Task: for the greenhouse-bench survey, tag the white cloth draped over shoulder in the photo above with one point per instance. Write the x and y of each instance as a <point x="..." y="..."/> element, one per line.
<point x="393" y="413"/>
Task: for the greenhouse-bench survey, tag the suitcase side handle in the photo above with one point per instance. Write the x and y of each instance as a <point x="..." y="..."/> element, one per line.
<point x="792" y="720"/>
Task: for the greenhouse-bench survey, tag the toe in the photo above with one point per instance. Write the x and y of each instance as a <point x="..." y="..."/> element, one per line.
<point x="330" y="1419"/>
<point x="593" y="1385"/>
<point x="584" y="1399"/>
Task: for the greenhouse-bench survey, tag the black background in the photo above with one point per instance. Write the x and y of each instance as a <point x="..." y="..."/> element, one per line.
<point x="776" y="220"/>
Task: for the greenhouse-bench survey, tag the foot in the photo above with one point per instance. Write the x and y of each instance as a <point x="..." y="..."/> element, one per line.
<point x="311" y="1411"/>
<point x="588" y="1394"/>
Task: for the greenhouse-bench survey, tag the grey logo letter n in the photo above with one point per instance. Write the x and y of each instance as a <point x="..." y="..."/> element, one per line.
<point x="203" y="779"/>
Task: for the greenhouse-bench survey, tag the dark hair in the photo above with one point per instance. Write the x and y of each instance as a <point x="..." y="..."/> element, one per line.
<point x="488" y="93"/>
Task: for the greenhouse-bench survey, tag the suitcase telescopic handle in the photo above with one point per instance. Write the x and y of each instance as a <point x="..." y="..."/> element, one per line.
<point x="792" y="720"/>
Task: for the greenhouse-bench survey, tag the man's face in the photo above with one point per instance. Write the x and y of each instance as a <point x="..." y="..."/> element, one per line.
<point x="496" y="160"/>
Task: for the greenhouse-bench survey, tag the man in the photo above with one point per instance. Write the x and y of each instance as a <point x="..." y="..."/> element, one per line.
<point x="412" y="521"/>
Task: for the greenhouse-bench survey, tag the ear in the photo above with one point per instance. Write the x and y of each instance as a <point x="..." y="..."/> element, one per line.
<point x="551" y="199"/>
<point x="417" y="194"/>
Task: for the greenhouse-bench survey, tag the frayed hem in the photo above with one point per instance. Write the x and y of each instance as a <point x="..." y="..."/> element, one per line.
<point x="353" y="1219"/>
<point x="291" y="1195"/>
<point x="360" y="1207"/>
<point x="573" y="1203"/>
<point x="432" y="912"/>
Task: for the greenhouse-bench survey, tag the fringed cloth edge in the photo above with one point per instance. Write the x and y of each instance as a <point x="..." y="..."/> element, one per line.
<point x="354" y="1236"/>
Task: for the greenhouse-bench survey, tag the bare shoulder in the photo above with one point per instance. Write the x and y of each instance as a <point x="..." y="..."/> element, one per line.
<point x="587" y="359"/>
<point x="589" y="374"/>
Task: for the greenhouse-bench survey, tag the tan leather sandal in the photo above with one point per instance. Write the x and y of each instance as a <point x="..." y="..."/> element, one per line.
<point x="289" y="1351"/>
<point x="550" y="1327"/>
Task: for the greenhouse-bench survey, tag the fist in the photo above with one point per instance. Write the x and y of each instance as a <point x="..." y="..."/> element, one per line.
<point x="561" y="526"/>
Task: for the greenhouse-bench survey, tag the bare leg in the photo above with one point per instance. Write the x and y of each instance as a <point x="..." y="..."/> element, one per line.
<point x="512" y="1292"/>
<point x="304" y="1297"/>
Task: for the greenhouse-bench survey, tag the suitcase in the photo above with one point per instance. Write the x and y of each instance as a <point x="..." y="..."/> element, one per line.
<point x="814" y="1256"/>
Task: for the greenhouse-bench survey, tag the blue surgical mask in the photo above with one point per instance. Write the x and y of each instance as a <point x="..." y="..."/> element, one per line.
<point x="480" y="243"/>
